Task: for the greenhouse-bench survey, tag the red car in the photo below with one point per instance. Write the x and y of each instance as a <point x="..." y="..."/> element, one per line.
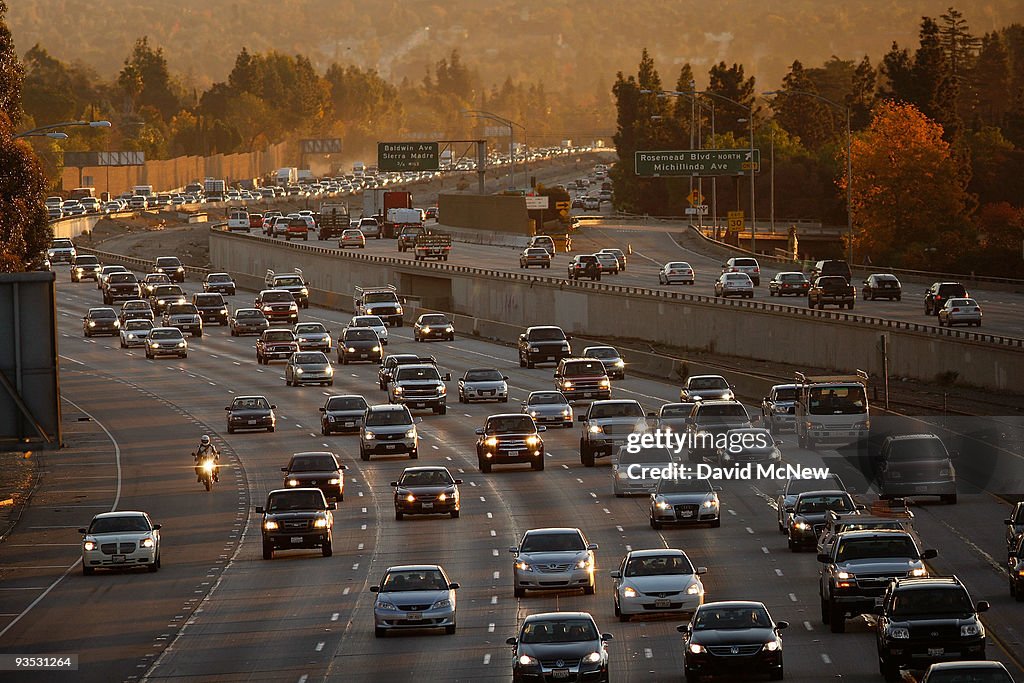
<point x="256" y="221"/>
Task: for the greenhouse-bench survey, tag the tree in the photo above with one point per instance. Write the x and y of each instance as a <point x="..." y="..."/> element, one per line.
<point x="991" y="80"/>
<point x="909" y="200"/>
<point x="730" y="82"/>
<point x="11" y="71"/>
<point x="25" y="232"/>
<point x="862" y="95"/>
<point x="799" y="112"/>
<point x="930" y="68"/>
<point x="897" y="73"/>
<point x="958" y="45"/>
<point x="1000" y="234"/>
<point x="146" y="80"/>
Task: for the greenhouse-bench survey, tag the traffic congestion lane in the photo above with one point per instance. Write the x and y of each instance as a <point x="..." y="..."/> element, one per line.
<point x="132" y="470"/>
<point x="562" y="442"/>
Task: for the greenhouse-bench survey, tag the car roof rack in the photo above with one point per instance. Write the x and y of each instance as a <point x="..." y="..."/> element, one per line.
<point x="860" y="377"/>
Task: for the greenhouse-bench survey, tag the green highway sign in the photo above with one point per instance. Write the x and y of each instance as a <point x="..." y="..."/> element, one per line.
<point x="407" y="156"/>
<point x="697" y="162"/>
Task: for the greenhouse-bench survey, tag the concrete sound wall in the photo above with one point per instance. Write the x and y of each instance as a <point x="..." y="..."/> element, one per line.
<point x="740" y="328"/>
<point x="498" y="213"/>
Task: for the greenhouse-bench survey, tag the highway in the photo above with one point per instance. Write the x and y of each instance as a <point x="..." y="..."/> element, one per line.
<point x="654" y="246"/>
<point x="217" y="612"/>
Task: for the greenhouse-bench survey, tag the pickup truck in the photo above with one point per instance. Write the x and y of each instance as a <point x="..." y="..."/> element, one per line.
<point x="407" y="238"/>
<point x="432" y="245"/>
<point x="334" y="219"/>
<point x="831" y="289"/>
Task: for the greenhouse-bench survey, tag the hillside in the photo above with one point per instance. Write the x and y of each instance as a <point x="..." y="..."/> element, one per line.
<point x="583" y="43"/>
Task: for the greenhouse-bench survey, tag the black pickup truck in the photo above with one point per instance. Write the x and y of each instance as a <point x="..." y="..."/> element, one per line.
<point x="407" y="238"/>
<point x="831" y="289"/>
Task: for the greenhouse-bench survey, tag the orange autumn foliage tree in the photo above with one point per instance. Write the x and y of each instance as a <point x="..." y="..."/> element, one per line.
<point x="909" y="200"/>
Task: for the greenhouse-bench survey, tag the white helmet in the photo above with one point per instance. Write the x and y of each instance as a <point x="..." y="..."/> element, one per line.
<point x="205" y="440"/>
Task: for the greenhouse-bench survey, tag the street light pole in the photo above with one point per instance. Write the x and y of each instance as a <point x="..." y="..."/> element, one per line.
<point x="753" y="225"/>
<point x="49" y="131"/>
<point x="476" y="113"/>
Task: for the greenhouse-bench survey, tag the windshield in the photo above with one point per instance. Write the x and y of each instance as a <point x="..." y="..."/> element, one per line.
<point x="248" y="313"/>
<point x="414" y="580"/>
<point x="219" y="278"/>
<point x="561" y="631"/>
<point x="62" y="244"/>
<point x="167" y="262"/>
<point x="306" y="328"/>
<point x="250" y="404"/>
<point x="820" y="504"/>
<point x="166" y="334"/>
<point x="434" y="320"/>
<point x="796" y="486"/>
<point x="367" y="321"/>
<point x="562" y="541"/>
<point x="646" y="455"/>
<point x="86" y="260"/>
<point x="785" y="395"/>
<point x="115" y="278"/>
<point x="483" y="376"/>
<point x="379" y="297"/>
<point x="102" y="313"/>
<point x="969" y="675"/>
<point x="744" y="262"/>
<point x="313" y="463"/>
<point x="277" y="297"/>
<point x="133" y="325"/>
<point x="684" y="486"/>
<point x="791" y="277"/>
<point x="916" y="450"/>
<point x="296" y="500"/>
<point x="701" y="383"/>
<point x="732" y="618"/>
<point x="658" y="565"/>
<point x="289" y="281"/>
<point x="360" y="334"/>
<point x="870" y="548"/>
<point x="510" y="424"/>
<point x="155" y="278"/>
<point x="346" y="403"/>
<point x="925" y="602"/>
<point x="278" y="335"/>
<point x="418" y="373"/>
<point x="677" y="265"/>
<point x="314" y="358"/>
<point x="953" y="303"/>
<point x="547" y="398"/>
<point x="547" y="334"/>
<point x="209" y="299"/>
<point x="627" y="409"/>
<point x="135" y="306"/>
<point x="382" y="418"/>
<point x="181" y="309"/>
<point x="722" y="410"/>
<point x="676" y="410"/>
<point x="426" y="478"/>
<point x="113" y="525"/>
<point x="601" y="352"/>
<point x="168" y="290"/>
<point x="582" y="368"/>
<point x="842" y="400"/>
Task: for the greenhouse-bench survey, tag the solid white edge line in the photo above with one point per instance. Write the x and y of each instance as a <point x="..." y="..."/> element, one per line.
<point x="113" y="507"/>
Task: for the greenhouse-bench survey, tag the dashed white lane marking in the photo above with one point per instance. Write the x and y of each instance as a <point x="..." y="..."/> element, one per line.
<point x="619" y="529"/>
<point x="607" y="511"/>
<point x="482" y="499"/>
<point x="764" y="549"/>
<point x="490" y="628"/>
<point x="493" y="533"/>
<point x="593" y="495"/>
<point x="362" y="527"/>
<point x="490" y="516"/>
<point x="497" y="575"/>
<point x="629" y="548"/>
<point x="648" y="653"/>
<point x="494" y="551"/>
<point x="334" y="617"/>
<point x="825" y="658"/>
<point x="807" y="625"/>
<point x="303" y="678"/>
<point x="494" y="599"/>
<point x="778" y="572"/>
<point x="320" y="646"/>
<point x="360" y="547"/>
<point x="355" y="566"/>
<point x="344" y="592"/>
<point x="792" y="597"/>
<point x="749" y="530"/>
<point x="487" y="659"/>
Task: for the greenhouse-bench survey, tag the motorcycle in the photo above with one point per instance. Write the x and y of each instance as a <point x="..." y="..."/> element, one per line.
<point x="207" y="467"/>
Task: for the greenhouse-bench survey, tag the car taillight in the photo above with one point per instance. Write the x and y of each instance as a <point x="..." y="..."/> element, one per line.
<point x="956" y="310"/>
<point x="756" y="269"/>
<point x="938" y="298"/>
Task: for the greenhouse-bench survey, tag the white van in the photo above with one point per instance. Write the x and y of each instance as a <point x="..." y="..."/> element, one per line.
<point x="238" y="220"/>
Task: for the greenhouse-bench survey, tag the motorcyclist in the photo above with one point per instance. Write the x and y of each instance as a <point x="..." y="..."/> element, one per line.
<point x="207" y="450"/>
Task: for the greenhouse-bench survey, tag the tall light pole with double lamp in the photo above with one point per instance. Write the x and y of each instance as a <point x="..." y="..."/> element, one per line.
<point x="476" y="113"/>
<point x="50" y="131"/>
<point x="849" y="158"/>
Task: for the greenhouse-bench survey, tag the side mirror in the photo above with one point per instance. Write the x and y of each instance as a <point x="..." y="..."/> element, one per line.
<point x="930" y="554"/>
<point x="479" y="431"/>
<point x="458" y="481"/>
<point x="332" y="506"/>
<point x="982" y="606"/>
<point x="702" y="570"/>
<point x="284" y="469"/>
<point x="607" y="636"/>
<point x="523" y="403"/>
<point x="717" y="488"/>
<point x="503" y="377"/>
<point x="1007" y="521"/>
<point x="780" y="625"/>
<point x="83" y="531"/>
<point x="615" y="574"/>
<point x="260" y="510"/>
<point x="1012" y="557"/>
<point x="394" y="483"/>
<point x="375" y="589"/>
<point x="447" y="377"/>
<point x="344" y="467"/>
<point x="591" y="546"/>
<point x="323" y="410"/>
<point x="683" y="628"/>
<point x="823" y="558"/>
<point x="513" y="549"/>
<point x="581" y="418"/>
<point x="157" y="527"/>
<point x="359" y="302"/>
<point x="542" y="428"/>
<point x="273" y="406"/>
<point x="511" y="641"/>
<point x="862" y="507"/>
<point x="788" y="508"/>
<point x="453" y="586"/>
<point x="877" y="609"/>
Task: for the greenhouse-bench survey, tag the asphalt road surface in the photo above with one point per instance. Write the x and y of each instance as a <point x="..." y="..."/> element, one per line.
<point x="217" y="612"/>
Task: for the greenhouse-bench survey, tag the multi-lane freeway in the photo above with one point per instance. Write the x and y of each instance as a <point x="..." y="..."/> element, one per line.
<point x="216" y="611"/>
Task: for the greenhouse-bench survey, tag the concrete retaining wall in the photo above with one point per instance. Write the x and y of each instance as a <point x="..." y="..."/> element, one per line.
<point x="498" y="213"/>
<point x="740" y="328"/>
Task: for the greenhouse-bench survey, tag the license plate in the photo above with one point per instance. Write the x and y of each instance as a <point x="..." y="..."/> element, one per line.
<point x="428" y="506"/>
<point x="296" y="539"/>
<point x="879" y="601"/>
<point x="513" y="454"/>
<point x="662" y="603"/>
<point x="686" y="513"/>
<point x="413" y="616"/>
<point x="936" y="651"/>
<point x="560" y="673"/>
<point x="350" y="424"/>
<point x="391" y="446"/>
<point x="117" y="559"/>
<point x="252" y="422"/>
<point x="920" y="489"/>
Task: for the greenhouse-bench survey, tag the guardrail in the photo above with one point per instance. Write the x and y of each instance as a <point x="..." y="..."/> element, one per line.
<point x="881" y="324"/>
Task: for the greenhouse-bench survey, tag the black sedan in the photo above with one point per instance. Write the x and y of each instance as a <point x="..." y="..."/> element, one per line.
<point x="101" y="321"/>
<point x="882" y="286"/>
<point x="810" y="510"/>
<point x="359" y="343"/>
<point x="220" y="283"/>
<point x="426" y="491"/>
<point x="342" y="414"/>
<point x="732" y="638"/>
<point x="790" y="283"/>
<point x="433" y="326"/>
<point x="560" y="646"/>
<point x="251" y="412"/>
<point x="318" y="470"/>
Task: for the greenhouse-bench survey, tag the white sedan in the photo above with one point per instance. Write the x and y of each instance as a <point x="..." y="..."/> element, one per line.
<point x="134" y="332"/>
<point x="352" y="238"/>
<point x="676" y="271"/>
<point x="116" y="540"/>
<point x="659" y="581"/>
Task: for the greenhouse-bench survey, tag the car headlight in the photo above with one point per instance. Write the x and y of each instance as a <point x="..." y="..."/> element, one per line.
<point x="304" y="292"/>
<point x="443" y="497"/>
<point x="533" y="349"/>
<point x="427" y="329"/>
<point x="523" y="566"/>
<point x="386" y="606"/>
<point x="444" y="602"/>
<point x="89" y="545"/>
<point x="410" y="433"/>
<point x="585" y="563"/>
<point x="293" y="482"/>
<point x="596" y="429"/>
<point x="899" y="633"/>
<point x="369" y="435"/>
<point x="532" y="440"/>
<point x="772" y="646"/>
<point x="223" y="311"/>
<point x="298" y="371"/>
<point x="351" y="349"/>
<point x="970" y="630"/>
<point x="802" y="526"/>
<point x="844" y="575"/>
<point x="329" y="370"/>
<point x="527" y="660"/>
<point x="592" y="658"/>
<point x="92" y="323"/>
<point x="334" y="481"/>
<point x="182" y="344"/>
<point x="375" y="348"/>
<point x="442" y="390"/>
<point x="180" y="269"/>
<point x="270" y="525"/>
<point x="448" y="329"/>
<point x="533" y="413"/>
<point x="491" y="441"/>
<point x="619" y="364"/>
<point x="398" y="390"/>
<point x="410" y="498"/>
<point x="148" y="543"/>
<point x="153" y="345"/>
<point x="663" y="505"/>
<point x="711" y="503"/>
<point x="629" y="592"/>
<point x="696" y="648"/>
<point x="605" y="383"/>
<point x="131" y="336"/>
<point x="320" y="523"/>
<point x="727" y="396"/>
<point x="919" y="571"/>
<point x="693" y="588"/>
<point x="398" y="310"/>
<point x="566" y="412"/>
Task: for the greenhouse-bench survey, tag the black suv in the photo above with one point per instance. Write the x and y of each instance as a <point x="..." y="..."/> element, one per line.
<point x="831" y="267"/>
<point x="585" y="265"/>
<point x="297" y="518"/>
<point x="927" y="620"/>
<point x="212" y="307"/>
<point x="935" y="296"/>
<point x="543" y="344"/>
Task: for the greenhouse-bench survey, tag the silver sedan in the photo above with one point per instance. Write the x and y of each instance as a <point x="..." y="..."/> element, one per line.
<point x="676" y="271"/>
<point x="960" y="312"/>
<point x="414" y="596"/>
<point x="549" y="407"/>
